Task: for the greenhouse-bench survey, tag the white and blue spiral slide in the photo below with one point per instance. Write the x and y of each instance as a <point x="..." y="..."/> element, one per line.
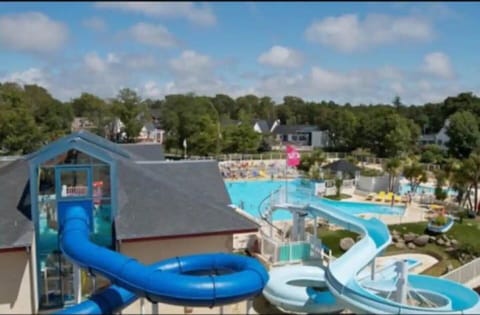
<point x="201" y="280"/>
<point x="311" y="289"/>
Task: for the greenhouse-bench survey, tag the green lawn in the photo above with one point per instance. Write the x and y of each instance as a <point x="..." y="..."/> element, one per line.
<point x="332" y="239"/>
<point x="466" y="233"/>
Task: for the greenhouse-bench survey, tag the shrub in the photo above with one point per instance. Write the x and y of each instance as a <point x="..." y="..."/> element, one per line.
<point x="440" y="220"/>
<point x="440" y="194"/>
<point x="370" y="172"/>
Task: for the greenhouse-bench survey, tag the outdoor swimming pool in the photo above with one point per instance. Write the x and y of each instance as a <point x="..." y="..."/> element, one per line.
<point x="429" y="190"/>
<point x="249" y="194"/>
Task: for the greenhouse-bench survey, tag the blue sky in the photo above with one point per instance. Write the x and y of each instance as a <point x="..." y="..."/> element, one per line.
<point x="357" y="52"/>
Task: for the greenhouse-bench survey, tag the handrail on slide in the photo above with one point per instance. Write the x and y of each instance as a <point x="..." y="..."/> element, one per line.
<point x="185" y="281"/>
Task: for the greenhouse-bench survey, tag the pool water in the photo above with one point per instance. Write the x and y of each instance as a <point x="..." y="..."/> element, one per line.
<point x="429" y="190"/>
<point x="248" y="195"/>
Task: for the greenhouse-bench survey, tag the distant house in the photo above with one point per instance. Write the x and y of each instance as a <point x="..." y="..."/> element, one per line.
<point x="80" y="123"/>
<point x="150" y="133"/>
<point x="265" y="127"/>
<point x="301" y="135"/>
<point x="440" y="138"/>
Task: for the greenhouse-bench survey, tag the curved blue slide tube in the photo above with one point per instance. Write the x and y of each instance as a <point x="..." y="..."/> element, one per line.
<point x="109" y="301"/>
<point x="426" y="294"/>
<point x="185" y="281"/>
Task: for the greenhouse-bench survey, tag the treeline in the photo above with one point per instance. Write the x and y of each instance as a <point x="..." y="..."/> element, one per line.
<point x="31" y="117"/>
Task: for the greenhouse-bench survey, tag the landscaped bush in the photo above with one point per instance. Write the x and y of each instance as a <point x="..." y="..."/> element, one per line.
<point x="440" y="194"/>
<point x="370" y="172"/>
<point x="440" y="220"/>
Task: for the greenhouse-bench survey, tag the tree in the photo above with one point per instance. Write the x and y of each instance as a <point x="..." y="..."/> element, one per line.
<point x="52" y="116"/>
<point x="95" y="110"/>
<point x="415" y="174"/>
<point x="361" y="154"/>
<point x="397" y="102"/>
<point x="472" y="173"/>
<point x="19" y="133"/>
<point x="338" y="186"/>
<point x="129" y="109"/>
<point x="401" y="137"/>
<point x="342" y="125"/>
<point x="432" y="153"/>
<point x="393" y="167"/>
<point x="317" y="156"/>
<point x="202" y="140"/>
<point x="241" y="138"/>
<point x="464" y="134"/>
<point x="441" y="177"/>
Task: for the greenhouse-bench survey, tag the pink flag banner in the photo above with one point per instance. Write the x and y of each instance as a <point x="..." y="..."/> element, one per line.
<point x="293" y="157"/>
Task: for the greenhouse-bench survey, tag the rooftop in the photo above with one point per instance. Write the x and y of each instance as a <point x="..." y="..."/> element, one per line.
<point x="157" y="198"/>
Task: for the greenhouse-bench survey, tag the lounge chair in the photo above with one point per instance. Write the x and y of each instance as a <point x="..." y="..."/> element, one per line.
<point x="397" y="198"/>
<point x="380" y="196"/>
<point x="388" y="197"/>
<point x="371" y="196"/>
<point x="436" y="207"/>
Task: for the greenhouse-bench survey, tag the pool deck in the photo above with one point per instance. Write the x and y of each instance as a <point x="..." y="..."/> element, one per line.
<point x="414" y="212"/>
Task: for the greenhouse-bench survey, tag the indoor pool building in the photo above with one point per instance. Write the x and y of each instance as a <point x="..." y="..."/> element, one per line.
<point x="143" y="206"/>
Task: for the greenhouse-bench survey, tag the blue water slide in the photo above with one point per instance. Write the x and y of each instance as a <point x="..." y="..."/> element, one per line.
<point x="202" y="280"/>
<point x="445" y="296"/>
<point x="109" y="301"/>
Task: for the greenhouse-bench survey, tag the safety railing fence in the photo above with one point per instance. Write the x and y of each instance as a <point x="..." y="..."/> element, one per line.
<point x="465" y="273"/>
<point x="281" y="252"/>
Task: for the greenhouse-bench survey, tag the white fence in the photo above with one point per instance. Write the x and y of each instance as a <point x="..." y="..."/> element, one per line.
<point x="465" y="273"/>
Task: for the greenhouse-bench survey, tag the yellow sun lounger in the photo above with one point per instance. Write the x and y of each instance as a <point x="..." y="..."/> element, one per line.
<point x="388" y="197"/>
<point x="436" y="207"/>
<point x="380" y="196"/>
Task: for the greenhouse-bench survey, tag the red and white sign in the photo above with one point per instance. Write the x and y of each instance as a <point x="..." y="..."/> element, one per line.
<point x="293" y="157"/>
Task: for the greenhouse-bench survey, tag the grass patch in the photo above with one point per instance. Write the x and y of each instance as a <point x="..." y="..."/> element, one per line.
<point x="335" y="197"/>
<point x="331" y="239"/>
<point x="466" y="233"/>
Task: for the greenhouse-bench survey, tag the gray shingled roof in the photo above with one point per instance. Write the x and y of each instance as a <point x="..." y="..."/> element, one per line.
<point x="156" y="199"/>
<point x="292" y="129"/>
<point x="144" y="151"/>
<point x="174" y="198"/>
<point x="16" y="229"/>
<point x="263" y="125"/>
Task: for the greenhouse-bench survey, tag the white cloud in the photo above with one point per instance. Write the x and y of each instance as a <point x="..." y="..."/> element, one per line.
<point x="201" y="15"/>
<point x="280" y="56"/>
<point x="32" y="32"/>
<point x="29" y="76"/>
<point x="95" y="23"/>
<point x="104" y="74"/>
<point x="347" y="33"/>
<point x="153" y="35"/>
<point x="438" y="64"/>
<point x="191" y="63"/>
<point x="100" y="74"/>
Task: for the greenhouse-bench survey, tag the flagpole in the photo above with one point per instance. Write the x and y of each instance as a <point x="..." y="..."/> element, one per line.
<point x="293" y="159"/>
<point x="286" y="181"/>
<point x="185" y="148"/>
